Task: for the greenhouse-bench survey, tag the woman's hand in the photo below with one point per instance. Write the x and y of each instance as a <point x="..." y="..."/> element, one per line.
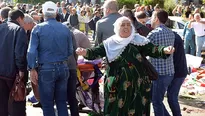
<point x="81" y="51"/>
<point x="169" y="50"/>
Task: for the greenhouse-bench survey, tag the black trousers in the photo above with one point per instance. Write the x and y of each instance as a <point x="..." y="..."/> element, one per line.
<point x="71" y="91"/>
<point x="6" y="108"/>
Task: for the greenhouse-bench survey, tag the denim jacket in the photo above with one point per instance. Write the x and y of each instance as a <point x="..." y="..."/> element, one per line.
<point x="188" y="32"/>
<point x="50" y="42"/>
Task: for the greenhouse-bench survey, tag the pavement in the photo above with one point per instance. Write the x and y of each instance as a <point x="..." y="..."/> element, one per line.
<point x="192" y="107"/>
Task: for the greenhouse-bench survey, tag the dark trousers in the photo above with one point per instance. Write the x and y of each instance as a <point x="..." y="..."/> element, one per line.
<point x="71" y="91"/>
<point x="16" y="108"/>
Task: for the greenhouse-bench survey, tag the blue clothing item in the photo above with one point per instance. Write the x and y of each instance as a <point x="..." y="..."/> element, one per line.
<point x="188" y="33"/>
<point x="52" y="83"/>
<point x="13" y="48"/>
<point x="172" y="95"/>
<point x="180" y="64"/>
<point x="50" y="41"/>
<point x="189" y="43"/>
<point x="190" y="46"/>
<point x="162" y="36"/>
<point x="159" y="87"/>
<point x="199" y="44"/>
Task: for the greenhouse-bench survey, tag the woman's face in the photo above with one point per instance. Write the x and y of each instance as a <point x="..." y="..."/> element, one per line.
<point x="125" y="29"/>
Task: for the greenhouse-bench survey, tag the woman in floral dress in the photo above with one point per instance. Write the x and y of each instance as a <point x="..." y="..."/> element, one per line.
<point x="127" y="86"/>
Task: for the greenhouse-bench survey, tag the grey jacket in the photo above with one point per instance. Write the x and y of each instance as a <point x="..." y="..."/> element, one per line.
<point x="105" y="28"/>
<point x="79" y="40"/>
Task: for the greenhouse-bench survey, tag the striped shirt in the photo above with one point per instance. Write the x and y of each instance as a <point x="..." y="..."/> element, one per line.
<point x="162" y="36"/>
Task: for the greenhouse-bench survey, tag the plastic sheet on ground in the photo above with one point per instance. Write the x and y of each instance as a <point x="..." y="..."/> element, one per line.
<point x="193" y="86"/>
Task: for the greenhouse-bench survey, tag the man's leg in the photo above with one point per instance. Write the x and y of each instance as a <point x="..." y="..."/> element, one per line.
<point x="172" y="95"/>
<point x="4" y="97"/>
<point x="71" y="93"/>
<point x="61" y="90"/>
<point x="159" y="87"/>
<point x="186" y="46"/>
<point x="19" y="108"/>
<point x="199" y="44"/>
<point x="193" y="46"/>
<point x="46" y="82"/>
<point x="86" y="29"/>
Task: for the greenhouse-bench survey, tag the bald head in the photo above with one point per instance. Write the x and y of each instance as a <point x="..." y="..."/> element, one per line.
<point x="197" y="17"/>
<point x="110" y="6"/>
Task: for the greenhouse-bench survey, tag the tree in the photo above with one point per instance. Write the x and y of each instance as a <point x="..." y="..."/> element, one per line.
<point x="129" y="3"/>
<point x="34" y="1"/>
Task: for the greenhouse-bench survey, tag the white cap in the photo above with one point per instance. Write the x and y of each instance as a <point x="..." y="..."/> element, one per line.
<point x="49" y="7"/>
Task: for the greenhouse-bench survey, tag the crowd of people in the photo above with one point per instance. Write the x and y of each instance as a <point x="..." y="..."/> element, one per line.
<point x="44" y="41"/>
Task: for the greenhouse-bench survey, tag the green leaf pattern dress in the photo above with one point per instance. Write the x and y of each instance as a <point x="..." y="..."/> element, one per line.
<point x="127" y="86"/>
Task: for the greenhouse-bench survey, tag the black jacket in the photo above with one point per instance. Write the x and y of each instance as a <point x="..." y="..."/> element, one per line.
<point x="180" y="65"/>
<point x="73" y="20"/>
<point x="13" y="49"/>
<point x="141" y="29"/>
<point x="64" y="19"/>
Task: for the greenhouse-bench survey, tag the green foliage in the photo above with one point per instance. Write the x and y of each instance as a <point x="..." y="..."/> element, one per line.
<point x="169" y="5"/>
<point x="35" y="1"/>
<point x="153" y="2"/>
<point x="129" y="3"/>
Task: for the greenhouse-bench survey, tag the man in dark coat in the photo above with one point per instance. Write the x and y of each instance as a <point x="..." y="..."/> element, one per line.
<point x="13" y="50"/>
<point x="64" y="15"/>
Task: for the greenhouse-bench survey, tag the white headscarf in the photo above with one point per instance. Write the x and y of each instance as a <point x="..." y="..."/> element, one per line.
<point x="115" y="45"/>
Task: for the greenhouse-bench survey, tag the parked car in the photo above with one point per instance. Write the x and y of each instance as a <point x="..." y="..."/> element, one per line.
<point x="176" y="24"/>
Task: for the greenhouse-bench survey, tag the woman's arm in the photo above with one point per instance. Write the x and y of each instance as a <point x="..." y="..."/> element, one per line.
<point x="92" y="53"/>
<point x="156" y="51"/>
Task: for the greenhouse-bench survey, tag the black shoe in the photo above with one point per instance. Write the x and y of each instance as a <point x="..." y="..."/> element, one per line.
<point x="81" y="106"/>
<point x="37" y="105"/>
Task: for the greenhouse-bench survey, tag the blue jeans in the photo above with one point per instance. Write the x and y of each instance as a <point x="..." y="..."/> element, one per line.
<point x="199" y="44"/>
<point x="53" y="87"/>
<point x="172" y="95"/>
<point x="190" y="43"/>
<point x="159" y="87"/>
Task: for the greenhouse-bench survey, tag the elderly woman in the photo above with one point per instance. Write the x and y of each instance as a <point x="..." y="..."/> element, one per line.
<point x="127" y="86"/>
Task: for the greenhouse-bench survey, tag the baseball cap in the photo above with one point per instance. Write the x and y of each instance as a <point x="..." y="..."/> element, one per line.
<point x="49" y="7"/>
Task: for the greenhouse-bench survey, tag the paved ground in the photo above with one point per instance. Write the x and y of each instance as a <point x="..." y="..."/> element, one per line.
<point x="194" y="108"/>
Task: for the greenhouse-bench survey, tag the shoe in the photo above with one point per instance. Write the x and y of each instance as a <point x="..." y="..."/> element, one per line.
<point x="37" y="105"/>
<point x="81" y="106"/>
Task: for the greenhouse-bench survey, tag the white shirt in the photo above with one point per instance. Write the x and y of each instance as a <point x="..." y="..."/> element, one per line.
<point x="87" y="19"/>
<point x="81" y="19"/>
<point x="199" y="28"/>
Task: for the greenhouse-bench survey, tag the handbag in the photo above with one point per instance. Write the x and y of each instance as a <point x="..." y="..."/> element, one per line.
<point x="18" y="91"/>
<point x="150" y="69"/>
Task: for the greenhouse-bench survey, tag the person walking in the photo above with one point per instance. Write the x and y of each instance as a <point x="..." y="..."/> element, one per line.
<point x="104" y="27"/>
<point x="50" y="46"/>
<point x="161" y="36"/>
<point x="127" y="86"/>
<point x="13" y="50"/>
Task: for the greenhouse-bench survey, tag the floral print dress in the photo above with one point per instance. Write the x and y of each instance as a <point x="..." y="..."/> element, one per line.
<point x="127" y="86"/>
